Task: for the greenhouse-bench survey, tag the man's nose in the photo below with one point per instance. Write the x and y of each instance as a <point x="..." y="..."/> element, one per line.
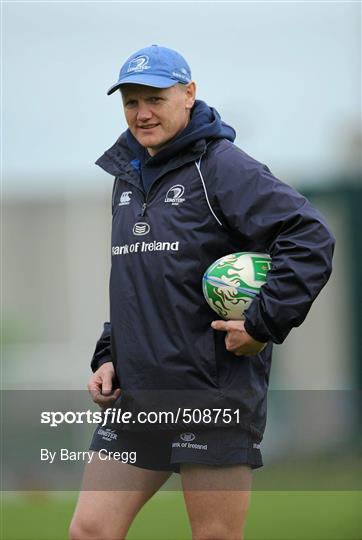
<point x="144" y="113"/>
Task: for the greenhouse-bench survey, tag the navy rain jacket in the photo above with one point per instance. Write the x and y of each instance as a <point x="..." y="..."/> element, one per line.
<point x="206" y="198"/>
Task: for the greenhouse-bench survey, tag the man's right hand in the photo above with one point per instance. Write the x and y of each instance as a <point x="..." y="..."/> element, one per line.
<point x="100" y="386"/>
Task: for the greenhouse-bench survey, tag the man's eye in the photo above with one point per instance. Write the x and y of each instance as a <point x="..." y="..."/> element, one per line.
<point x="131" y="103"/>
<point x="154" y="99"/>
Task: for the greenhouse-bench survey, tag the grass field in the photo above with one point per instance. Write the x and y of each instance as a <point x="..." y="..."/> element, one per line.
<point x="273" y="516"/>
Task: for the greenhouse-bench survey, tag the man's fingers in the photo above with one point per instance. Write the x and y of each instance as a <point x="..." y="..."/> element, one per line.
<point x="107" y="383"/>
<point x="116" y="393"/>
<point x="100" y="386"/>
<point x="100" y="389"/>
<point x="94" y="390"/>
<point x="94" y="395"/>
<point x="108" y="401"/>
<point x="220" y="325"/>
<point x="105" y="401"/>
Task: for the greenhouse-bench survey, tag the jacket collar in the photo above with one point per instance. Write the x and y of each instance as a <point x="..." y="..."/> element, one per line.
<point x="116" y="160"/>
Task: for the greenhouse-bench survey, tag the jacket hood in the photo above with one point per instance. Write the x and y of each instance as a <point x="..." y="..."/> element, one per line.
<point x="205" y="124"/>
<point x="129" y="156"/>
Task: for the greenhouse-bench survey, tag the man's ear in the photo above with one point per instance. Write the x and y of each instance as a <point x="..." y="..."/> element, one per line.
<point x="190" y="92"/>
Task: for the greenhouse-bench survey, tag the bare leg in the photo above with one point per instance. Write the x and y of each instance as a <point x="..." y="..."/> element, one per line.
<point x="112" y="495"/>
<point x="217" y="500"/>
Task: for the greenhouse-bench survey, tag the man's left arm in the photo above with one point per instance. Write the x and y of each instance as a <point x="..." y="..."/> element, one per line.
<point x="268" y="213"/>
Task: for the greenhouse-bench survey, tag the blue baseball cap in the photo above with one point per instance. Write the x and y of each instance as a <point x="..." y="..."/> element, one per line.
<point x="153" y="66"/>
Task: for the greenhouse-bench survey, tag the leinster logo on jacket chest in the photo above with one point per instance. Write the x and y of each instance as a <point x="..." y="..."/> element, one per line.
<point x="174" y="195"/>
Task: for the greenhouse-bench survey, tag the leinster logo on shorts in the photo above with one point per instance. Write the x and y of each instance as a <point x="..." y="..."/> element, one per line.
<point x="107" y="434"/>
<point x="187" y="437"/>
<point x="174" y="195"/>
<point x="141" y="228"/>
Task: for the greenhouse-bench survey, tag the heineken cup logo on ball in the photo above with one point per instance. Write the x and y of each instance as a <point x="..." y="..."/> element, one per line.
<point x="230" y="283"/>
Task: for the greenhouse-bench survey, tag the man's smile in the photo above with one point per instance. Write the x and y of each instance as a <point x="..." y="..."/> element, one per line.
<point x="148" y="126"/>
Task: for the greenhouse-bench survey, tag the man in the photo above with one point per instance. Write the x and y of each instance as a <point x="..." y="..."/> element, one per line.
<point x="184" y="195"/>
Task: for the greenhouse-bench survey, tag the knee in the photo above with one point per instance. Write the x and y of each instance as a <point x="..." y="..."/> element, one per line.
<point x="216" y="531"/>
<point x="76" y="531"/>
<point x="87" y="530"/>
<point x="79" y="530"/>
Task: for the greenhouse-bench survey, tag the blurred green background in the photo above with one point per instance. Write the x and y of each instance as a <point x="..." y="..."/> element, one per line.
<point x="272" y="516"/>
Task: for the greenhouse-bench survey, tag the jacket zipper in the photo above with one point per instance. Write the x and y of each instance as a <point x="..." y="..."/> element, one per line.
<point x="147" y="195"/>
<point x="143" y="211"/>
<point x="145" y="204"/>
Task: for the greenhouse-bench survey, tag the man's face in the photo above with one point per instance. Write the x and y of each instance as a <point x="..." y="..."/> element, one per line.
<point x="156" y="115"/>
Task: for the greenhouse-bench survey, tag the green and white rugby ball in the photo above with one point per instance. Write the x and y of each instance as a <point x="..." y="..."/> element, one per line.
<point x="231" y="283"/>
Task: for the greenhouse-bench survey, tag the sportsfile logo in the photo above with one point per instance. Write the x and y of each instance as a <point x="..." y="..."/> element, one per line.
<point x="125" y="198"/>
<point x="174" y="195"/>
<point x="138" y="64"/>
<point x="141" y="228"/>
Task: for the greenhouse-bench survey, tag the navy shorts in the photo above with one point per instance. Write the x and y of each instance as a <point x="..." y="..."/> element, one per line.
<point x="161" y="450"/>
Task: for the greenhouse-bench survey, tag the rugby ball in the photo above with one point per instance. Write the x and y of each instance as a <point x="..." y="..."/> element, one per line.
<point x="231" y="283"/>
